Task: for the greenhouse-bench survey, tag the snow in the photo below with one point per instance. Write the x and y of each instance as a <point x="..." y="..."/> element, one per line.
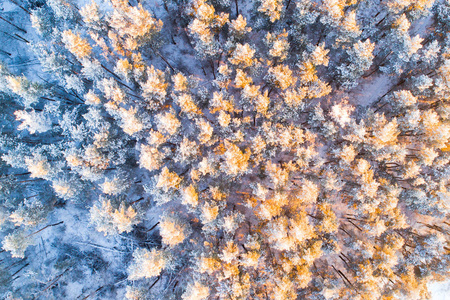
<point x="22" y="59"/>
<point x="440" y="290"/>
<point x="7" y="6"/>
<point x="114" y="250"/>
<point x="371" y="90"/>
<point x="421" y="25"/>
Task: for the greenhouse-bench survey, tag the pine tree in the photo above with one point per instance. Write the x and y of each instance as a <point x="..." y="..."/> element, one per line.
<point x="147" y="264"/>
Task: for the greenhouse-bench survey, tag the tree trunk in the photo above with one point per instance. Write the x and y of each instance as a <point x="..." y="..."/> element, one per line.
<point x="27" y="11"/>
<point x="23" y="30"/>
<point x="157" y="279"/>
<point x="4" y="52"/>
<point x="51" y="225"/>
<point x="287" y="5"/>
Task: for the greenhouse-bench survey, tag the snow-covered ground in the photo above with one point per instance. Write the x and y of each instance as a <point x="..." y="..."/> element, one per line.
<point x="440" y="290"/>
<point x="365" y="94"/>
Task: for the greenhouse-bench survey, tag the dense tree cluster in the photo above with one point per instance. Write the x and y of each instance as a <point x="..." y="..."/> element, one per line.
<point x="217" y="149"/>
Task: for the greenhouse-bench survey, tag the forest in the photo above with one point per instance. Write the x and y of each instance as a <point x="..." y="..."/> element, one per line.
<point x="224" y="149"/>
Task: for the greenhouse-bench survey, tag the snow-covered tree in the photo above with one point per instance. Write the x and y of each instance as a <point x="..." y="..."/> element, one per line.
<point x="260" y="149"/>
